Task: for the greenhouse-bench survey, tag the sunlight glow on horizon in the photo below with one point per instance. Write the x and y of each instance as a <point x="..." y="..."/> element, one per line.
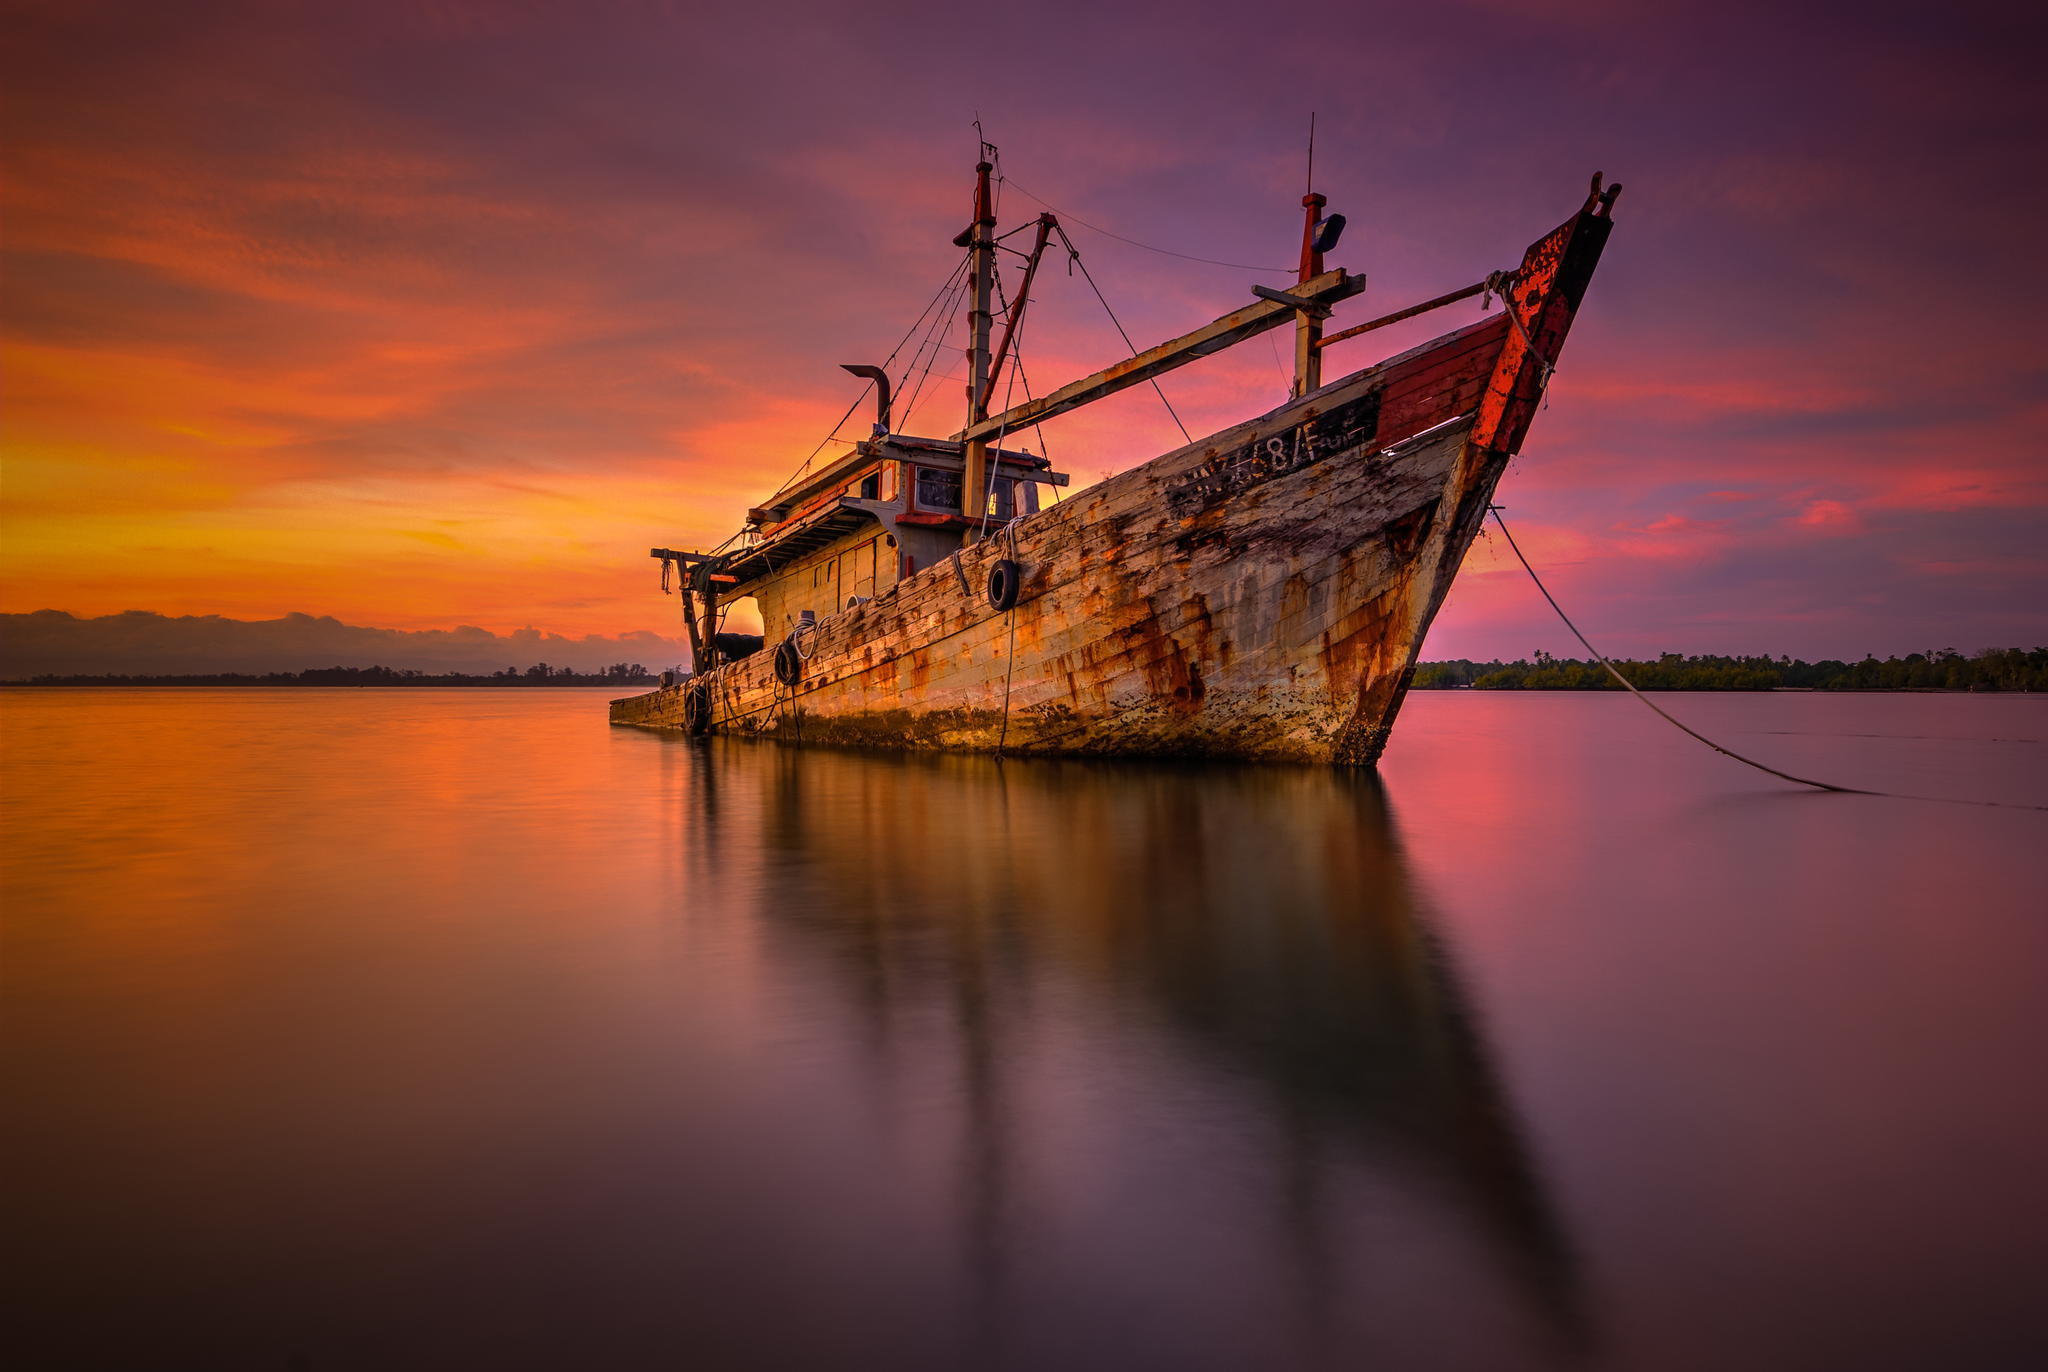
<point x="313" y="315"/>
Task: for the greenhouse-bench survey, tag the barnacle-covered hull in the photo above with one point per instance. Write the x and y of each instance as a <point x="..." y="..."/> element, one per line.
<point x="1260" y="594"/>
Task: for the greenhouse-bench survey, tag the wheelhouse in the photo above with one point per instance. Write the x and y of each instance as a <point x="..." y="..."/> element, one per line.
<point x="854" y="529"/>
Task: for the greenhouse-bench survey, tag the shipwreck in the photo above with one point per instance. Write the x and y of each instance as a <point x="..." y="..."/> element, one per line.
<point x="1257" y="594"/>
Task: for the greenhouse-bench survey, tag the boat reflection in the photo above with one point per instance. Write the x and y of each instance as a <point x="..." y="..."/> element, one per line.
<point x="1024" y="922"/>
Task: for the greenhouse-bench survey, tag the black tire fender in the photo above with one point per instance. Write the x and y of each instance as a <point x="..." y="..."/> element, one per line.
<point x="697" y="707"/>
<point x="1005" y="579"/>
<point x="789" y="664"/>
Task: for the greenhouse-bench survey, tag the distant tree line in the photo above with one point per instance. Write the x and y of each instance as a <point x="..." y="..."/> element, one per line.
<point x="1997" y="669"/>
<point x="1994" y="669"/>
<point x="539" y="674"/>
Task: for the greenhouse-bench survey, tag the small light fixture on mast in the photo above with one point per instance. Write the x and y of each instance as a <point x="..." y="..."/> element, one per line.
<point x="1327" y="231"/>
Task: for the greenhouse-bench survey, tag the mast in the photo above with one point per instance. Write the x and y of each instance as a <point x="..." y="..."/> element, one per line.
<point x="1308" y="328"/>
<point x="981" y="244"/>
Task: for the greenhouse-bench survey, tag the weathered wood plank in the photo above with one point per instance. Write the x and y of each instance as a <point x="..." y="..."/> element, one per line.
<point x="1449" y="298"/>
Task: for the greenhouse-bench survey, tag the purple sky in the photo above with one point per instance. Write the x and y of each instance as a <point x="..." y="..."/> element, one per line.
<point x="432" y="315"/>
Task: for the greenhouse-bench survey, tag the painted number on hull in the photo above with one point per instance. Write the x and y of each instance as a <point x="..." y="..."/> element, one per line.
<point x="1347" y="427"/>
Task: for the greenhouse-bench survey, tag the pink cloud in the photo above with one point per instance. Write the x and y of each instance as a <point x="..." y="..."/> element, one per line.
<point x="1959" y="488"/>
<point x="1829" y="516"/>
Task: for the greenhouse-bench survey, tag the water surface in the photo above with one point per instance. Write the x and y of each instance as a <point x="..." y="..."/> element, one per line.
<point x="400" y="1029"/>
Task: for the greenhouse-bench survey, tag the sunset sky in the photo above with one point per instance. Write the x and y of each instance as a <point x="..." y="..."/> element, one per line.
<point x="430" y="315"/>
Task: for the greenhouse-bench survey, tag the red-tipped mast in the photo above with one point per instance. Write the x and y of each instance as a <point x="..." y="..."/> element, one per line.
<point x="981" y="246"/>
<point x="1308" y="328"/>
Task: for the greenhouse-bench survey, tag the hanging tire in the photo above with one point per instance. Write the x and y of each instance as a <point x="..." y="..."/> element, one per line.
<point x="1004" y="581"/>
<point x="789" y="664"/>
<point x="697" y="708"/>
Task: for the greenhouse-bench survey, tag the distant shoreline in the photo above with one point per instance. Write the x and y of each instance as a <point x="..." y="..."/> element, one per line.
<point x="211" y="683"/>
<point x="1944" y="670"/>
<point x="538" y="677"/>
<point x="1941" y="672"/>
<point x="203" y="684"/>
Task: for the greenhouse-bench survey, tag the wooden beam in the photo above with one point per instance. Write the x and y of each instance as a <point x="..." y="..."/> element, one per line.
<point x="1292" y="302"/>
<point x="1327" y="289"/>
<point x="682" y="561"/>
<point x="711" y="654"/>
<point x="953" y="462"/>
<point x="1398" y="315"/>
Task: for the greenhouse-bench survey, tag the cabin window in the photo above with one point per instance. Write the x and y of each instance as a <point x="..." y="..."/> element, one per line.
<point x="740" y="616"/>
<point x="871" y="486"/>
<point x="937" y="490"/>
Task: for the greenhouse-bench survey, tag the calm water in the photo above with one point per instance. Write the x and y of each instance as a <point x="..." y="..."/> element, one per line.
<point x="418" y="1029"/>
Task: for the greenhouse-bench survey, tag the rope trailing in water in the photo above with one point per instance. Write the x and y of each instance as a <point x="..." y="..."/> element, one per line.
<point x="1629" y="686"/>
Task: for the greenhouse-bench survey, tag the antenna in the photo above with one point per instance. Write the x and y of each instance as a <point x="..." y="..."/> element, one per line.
<point x="1310" y="188"/>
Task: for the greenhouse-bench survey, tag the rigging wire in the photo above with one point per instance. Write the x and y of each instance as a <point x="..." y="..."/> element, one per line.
<point x="1629" y="686"/>
<point x="1074" y="254"/>
<point x="1009" y="393"/>
<point x="947" y="285"/>
<point x="1168" y="252"/>
<point x="949" y="290"/>
<point x="920" y="365"/>
<point x="1024" y="380"/>
<point x="950" y="316"/>
<point x="1278" y="365"/>
<point x="1014" y="313"/>
<point x="936" y="334"/>
<point x="954" y="280"/>
<point x="1037" y="430"/>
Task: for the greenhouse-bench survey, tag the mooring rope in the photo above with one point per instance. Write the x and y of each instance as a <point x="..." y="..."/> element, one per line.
<point x="1010" y="652"/>
<point x="1629" y="686"/>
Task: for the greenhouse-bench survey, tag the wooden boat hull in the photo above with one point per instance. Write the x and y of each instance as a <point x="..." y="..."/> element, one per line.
<point x="1260" y="594"/>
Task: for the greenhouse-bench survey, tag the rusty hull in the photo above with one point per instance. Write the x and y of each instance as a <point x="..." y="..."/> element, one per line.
<point x="1260" y="594"/>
